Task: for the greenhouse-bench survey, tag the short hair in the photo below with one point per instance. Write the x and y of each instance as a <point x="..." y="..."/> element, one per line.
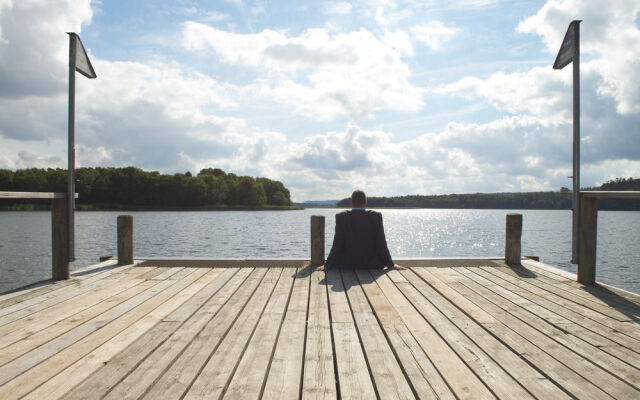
<point x="358" y="198"/>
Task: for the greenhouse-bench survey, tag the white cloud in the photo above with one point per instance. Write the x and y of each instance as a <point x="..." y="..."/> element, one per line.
<point x="398" y="40"/>
<point x="34" y="45"/>
<point x="179" y="92"/>
<point x="610" y="38"/>
<point x="504" y="155"/>
<point x="610" y="92"/>
<point x="30" y="159"/>
<point x="321" y="75"/>
<point x="540" y="91"/>
<point x="434" y="33"/>
<point x="259" y="8"/>
<point x="389" y="14"/>
<point x="165" y="116"/>
<point x="354" y="150"/>
<point x="158" y="116"/>
<point x="215" y="16"/>
<point x="338" y="7"/>
<point x="474" y="4"/>
<point x="154" y="115"/>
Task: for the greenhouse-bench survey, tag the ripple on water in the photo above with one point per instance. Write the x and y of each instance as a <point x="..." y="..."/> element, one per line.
<point x="25" y="250"/>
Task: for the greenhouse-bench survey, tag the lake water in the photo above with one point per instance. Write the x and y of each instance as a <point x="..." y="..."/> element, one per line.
<point x="25" y="238"/>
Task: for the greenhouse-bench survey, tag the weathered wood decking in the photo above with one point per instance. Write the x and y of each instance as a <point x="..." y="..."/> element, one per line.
<point x="453" y="329"/>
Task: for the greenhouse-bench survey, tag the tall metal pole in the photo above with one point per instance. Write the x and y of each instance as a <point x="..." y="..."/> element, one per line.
<point x="71" y="144"/>
<point x="576" y="146"/>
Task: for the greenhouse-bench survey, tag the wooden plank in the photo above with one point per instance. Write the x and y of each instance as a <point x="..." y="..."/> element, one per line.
<point x="599" y="333"/>
<point x="501" y="370"/>
<point x="549" y="315"/>
<point x="153" y="273"/>
<point x="459" y="377"/>
<point x="475" y="312"/>
<point x="424" y="377"/>
<point x="132" y="371"/>
<point x="592" y="364"/>
<point x="219" y="369"/>
<point x="595" y="298"/>
<point x="552" y="272"/>
<point x="40" y="338"/>
<point x="593" y="303"/>
<point x="319" y="380"/>
<point x="285" y="372"/>
<point x="248" y="379"/>
<point x="178" y="377"/>
<point x="62" y="383"/>
<point x="33" y="195"/>
<point x="25" y="308"/>
<point x="625" y="334"/>
<point x="186" y="310"/>
<point x="45" y="370"/>
<point x="36" y="289"/>
<point x="603" y="343"/>
<point x="387" y="373"/>
<point x="515" y="302"/>
<point x="60" y="343"/>
<point x="104" y="379"/>
<point x="395" y="276"/>
<point x="619" y="293"/>
<point x="26" y="326"/>
<point x="92" y="270"/>
<point x="603" y="294"/>
<point x="40" y="288"/>
<point x="18" y="295"/>
<point x="168" y="272"/>
<point x="567" y="369"/>
<point x="52" y="289"/>
<point x="354" y="380"/>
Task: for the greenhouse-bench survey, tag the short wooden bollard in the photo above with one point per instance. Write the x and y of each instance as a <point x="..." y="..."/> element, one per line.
<point x="317" y="239"/>
<point x="59" y="239"/>
<point x="587" y="240"/>
<point x="125" y="239"/>
<point x="512" y="248"/>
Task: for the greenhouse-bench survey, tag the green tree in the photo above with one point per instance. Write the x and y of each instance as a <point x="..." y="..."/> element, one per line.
<point x="6" y="180"/>
<point x="136" y="187"/>
<point x="249" y="192"/>
<point x="217" y="190"/>
<point x="279" y="199"/>
<point x="30" y="180"/>
<point x="271" y="188"/>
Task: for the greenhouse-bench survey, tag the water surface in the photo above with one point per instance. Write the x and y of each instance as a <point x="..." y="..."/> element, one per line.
<point x="25" y="238"/>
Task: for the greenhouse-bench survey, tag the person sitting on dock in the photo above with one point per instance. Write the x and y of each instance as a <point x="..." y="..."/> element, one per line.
<point x="359" y="240"/>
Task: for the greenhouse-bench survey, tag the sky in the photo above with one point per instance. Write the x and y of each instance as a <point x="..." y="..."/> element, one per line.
<point x="392" y="97"/>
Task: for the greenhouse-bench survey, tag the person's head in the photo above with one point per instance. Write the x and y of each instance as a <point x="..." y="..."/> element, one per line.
<point x="358" y="199"/>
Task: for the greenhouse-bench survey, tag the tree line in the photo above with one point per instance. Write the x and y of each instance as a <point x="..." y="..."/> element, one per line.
<point x="552" y="200"/>
<point x="131" y="187"/>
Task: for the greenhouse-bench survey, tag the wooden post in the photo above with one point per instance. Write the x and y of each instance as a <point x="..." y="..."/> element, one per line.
<point x="587" y="240"/>
<point x="59" y="239"/>
<point x="125" y="239"/>
<point x="317" y="239"/>
<point x="512" y="246"/>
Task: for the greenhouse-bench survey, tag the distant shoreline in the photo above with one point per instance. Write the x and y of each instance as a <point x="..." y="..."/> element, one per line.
<point x="126" y="207"/>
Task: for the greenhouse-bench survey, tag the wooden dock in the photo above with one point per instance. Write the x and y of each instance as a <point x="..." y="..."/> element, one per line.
<point x="444" y="329"/>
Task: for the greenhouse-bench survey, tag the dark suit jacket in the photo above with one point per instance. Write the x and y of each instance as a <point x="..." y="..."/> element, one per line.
<point x="359" y="241"/>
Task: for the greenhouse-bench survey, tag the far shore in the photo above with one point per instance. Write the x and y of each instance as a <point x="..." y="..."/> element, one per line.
<point x="45" y="206"/>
